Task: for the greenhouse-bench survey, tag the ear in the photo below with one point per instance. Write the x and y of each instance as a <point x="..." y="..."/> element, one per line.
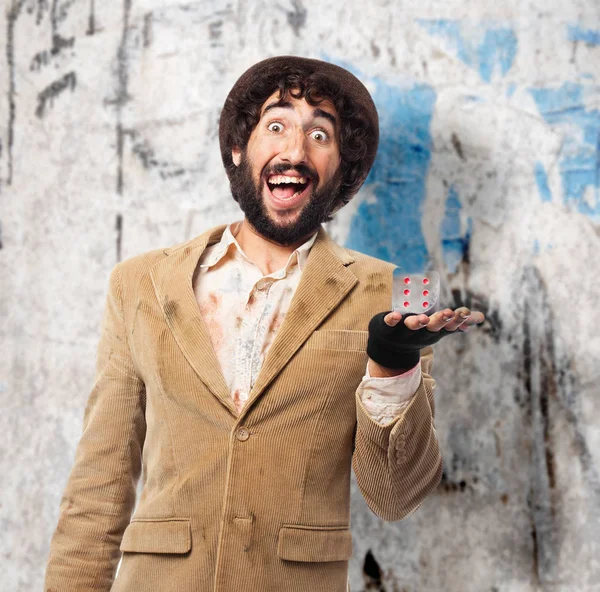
<point x="236" y="155"/>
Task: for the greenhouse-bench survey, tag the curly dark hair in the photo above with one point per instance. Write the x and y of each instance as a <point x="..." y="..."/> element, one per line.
<point x="356" y="134"/>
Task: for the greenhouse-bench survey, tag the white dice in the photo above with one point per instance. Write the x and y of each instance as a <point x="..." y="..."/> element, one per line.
<point x="414" y="292"/>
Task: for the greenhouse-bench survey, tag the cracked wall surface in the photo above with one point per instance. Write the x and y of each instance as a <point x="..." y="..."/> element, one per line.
<point x="488" y="171"/>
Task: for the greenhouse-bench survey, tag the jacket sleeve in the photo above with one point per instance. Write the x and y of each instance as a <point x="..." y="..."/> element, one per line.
<point x="100" y="493"/>
<point x="397" y="465"/>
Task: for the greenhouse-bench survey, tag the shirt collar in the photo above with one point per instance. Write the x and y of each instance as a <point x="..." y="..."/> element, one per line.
<point x="229" y="243"/>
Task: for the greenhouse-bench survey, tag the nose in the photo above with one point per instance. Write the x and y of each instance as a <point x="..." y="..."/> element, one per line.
<point x="294" y="149"/>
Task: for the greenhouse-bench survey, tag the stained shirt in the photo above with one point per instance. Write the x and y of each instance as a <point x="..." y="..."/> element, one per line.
<point x="243" y="310"/>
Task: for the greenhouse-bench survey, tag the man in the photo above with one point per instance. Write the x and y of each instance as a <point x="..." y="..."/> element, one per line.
<point x="243" y="373"/>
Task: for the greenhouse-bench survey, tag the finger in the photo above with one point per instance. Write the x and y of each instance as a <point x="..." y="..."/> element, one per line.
<point x="392" y="318"/>
<point x="476" y="318"/>
<point x="440" y="319"/>
<point x="416" y="322"/>
<point x="461" y="315"/>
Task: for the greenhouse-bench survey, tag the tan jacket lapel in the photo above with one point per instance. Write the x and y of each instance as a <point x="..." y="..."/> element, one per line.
<point x="324" y="283"/>
<point x="172" y="279"/>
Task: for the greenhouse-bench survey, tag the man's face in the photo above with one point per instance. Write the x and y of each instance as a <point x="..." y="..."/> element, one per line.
<point x="288" y="177"/>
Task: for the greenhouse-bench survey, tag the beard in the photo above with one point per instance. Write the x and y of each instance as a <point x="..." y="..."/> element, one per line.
<point x="317" y="210"/>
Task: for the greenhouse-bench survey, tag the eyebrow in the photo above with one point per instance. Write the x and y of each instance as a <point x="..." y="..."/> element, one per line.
<point x="316" y="113"/>
<point x="321" y="113"/>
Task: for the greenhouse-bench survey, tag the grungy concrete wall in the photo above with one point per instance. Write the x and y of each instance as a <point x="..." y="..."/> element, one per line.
<point x="488" y="171"/>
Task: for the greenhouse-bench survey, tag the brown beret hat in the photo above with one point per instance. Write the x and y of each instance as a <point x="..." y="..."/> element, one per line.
<point x="270" y="72"/>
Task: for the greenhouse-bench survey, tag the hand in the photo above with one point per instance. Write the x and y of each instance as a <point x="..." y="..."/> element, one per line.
<point x="462" y="318"/>
<point x="396" y="345"/>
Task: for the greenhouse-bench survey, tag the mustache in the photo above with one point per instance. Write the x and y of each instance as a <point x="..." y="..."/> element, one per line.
<point x="282" y="168"/>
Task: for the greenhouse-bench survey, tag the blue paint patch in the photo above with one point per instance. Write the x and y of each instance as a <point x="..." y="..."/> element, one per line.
<point x="499" y="48"/>
<point x="541" y="179"/>
<point x="589" y="36"/>
<point x="579" y="159"/>
<point x="455" y="245"/>
<point x="451" y="32"/>
<point x="390" y="228"/>
<point x="494" y="52"/>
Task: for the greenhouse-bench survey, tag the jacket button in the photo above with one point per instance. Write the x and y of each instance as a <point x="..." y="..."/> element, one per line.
<point x="242" y="434"/>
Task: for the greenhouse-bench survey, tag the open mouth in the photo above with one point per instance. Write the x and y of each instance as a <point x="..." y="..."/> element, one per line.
<point x="285" y="188"/>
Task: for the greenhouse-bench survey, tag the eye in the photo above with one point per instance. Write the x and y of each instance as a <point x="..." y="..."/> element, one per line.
<point x="319" y="135"/>
<point x="275" y="127"/>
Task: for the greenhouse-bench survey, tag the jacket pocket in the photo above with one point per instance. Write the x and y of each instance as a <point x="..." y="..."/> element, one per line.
<point x="158" y="536"/>
<point x="314" y="543"/>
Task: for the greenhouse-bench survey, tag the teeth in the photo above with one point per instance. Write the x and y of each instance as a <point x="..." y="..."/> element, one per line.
<point x="278" y="179"/>
<point x="293" y="196"/>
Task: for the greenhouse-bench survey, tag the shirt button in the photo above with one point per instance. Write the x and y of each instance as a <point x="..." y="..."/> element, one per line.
<point x="242" y="434"/>
<point x="262" y="286"/>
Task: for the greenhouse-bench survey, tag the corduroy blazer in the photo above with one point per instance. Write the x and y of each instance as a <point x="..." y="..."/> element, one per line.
<point x="258" y="501"/>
